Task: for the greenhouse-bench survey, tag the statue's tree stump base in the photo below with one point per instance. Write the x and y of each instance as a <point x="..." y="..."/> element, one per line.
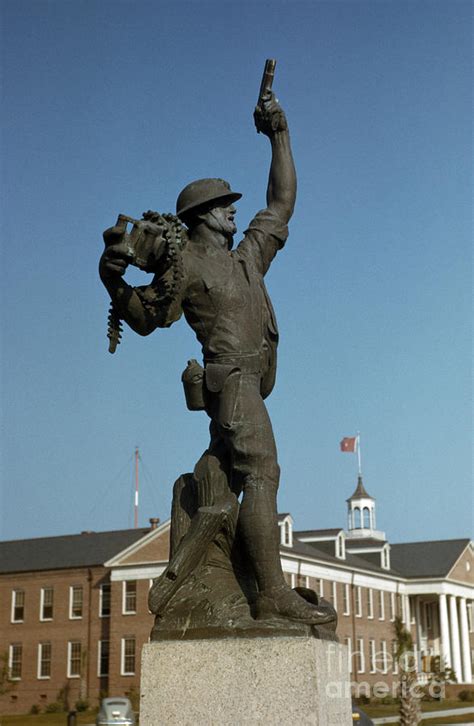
<point x="261" y="680"/>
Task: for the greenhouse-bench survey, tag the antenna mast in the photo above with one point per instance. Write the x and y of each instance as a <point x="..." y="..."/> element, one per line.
<point x="136" y="488"/>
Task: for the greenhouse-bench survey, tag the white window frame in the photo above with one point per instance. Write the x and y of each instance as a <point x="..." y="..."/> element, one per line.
<point x="358" y="602"/>
<point x="347" y="641"/>
<point x="43" y="590"/>
<point x="14" y="605"/>
<point x="394" y="658"/>
<point x="372" y="656"/>
<point x="383" y="644"/>
<point x="125" y="583"/>
<point x="71" y="591"/>
<point x="340" y="547"/>
<point x="428" y="616"/>
<point x="347" y="600"/>
<point x="11" y="648"/>
<point x="470" y="616"/>
<point x="40" y="658"/>
<point x="381" y="604"/>
<point x="122" y="656"/>
<point x="361" y="655"/>
<point x="101" y="599"/>
<point x="334" y="595"/>
<point x="320" y="586"/>
<point x="99" y="658"/>
<point x="69" y="658"/>
<point x="370" y="604"/>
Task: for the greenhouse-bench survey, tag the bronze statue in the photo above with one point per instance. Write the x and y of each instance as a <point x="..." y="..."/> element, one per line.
<point x="224" y="573"/>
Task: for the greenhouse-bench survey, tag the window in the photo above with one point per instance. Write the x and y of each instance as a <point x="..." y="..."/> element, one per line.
<point x="358" y="602"/>
<point x="128" y="656"/>
<point x="372" y="656"/>
<point x="103" y="658"/>
<point x="346" y="602"/>
<point x="370" y="603"/>
<point x="428" y="620"/>
<point x="75" y="602"/>
<point x="400" y="608"/>
<point x="381" y="598"/>
<point x="392" y="606"/>
<point x="104" y="600"/>
<point x="74" y="653"/>
<point x="357" y="518"/>
<point x="287" y="538"/>
<point x="334" y="595"/>
<point x="15" y="656"/>
<point x="470" y="616"/>
<point x="44" y="660"/>
<point x="320" y="587"/>
<point x="18" y="606"/>
<point x="394" y="657"/>
<point x="366" y="515"/>
<point x="46" y="603"/>
<point x="129" y="597"/>
<point x="360" y="656"/>
<point x="383" y="644"/>
<point x="340" y="550"/>
<point x="347" y="642"/>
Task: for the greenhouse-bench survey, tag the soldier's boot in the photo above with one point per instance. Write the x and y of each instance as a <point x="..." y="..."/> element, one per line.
<point x="260" y="532"/>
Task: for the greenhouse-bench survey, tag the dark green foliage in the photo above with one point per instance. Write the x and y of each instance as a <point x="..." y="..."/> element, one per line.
<point x="466" y="695"/>
<point x="82" y="704"/>
<point x="409" y="698"/>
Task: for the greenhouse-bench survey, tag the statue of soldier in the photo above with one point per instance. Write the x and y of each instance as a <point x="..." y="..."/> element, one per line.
<point x="223" y="297"/>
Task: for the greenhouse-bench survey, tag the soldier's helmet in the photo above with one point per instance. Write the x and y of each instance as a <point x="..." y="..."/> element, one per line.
<point x="201" y="193"/>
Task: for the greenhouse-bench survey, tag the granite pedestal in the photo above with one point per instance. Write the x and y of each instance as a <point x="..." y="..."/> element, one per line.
<point x="262" y="680"/>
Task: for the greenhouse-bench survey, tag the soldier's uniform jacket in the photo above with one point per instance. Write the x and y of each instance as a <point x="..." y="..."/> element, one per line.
<point x="225" y="301"/>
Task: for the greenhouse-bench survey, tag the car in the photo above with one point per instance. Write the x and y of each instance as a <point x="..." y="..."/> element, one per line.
<point x="360" y="718"/>
<point x="116" y="711"/>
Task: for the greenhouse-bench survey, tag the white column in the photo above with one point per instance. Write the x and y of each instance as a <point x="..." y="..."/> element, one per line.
<point x="407" y="613"/>
<point x="465" y="646"/>
<point x="418" y="630"/>
<point x="444" y="627"/>
<point x="455" y="644"/>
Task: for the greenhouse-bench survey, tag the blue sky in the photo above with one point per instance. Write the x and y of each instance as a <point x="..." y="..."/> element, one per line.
<point x="113" y="107"/>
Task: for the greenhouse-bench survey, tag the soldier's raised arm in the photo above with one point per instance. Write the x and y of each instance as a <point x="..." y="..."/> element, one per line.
<point x="281" y="191"/>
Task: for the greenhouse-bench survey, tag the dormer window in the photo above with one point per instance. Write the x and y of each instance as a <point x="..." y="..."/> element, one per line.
<point x="386" y="557"/>
<point x="286" y="532"/>
<point x="340" y="547"/>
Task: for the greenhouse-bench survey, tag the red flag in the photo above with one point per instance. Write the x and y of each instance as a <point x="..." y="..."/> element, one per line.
<point x="349" y="444"/>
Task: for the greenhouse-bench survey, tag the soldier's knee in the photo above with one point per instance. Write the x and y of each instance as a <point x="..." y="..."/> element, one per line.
<point x="255" y="484"/>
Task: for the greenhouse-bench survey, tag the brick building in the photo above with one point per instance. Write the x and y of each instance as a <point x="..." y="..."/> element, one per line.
<point x="74" y="616"/>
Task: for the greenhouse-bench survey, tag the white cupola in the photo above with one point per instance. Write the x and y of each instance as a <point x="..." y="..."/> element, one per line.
<point x="361" y="514"/>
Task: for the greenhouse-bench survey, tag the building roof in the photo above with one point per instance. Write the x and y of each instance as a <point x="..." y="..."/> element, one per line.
<point x="426" y="559"/>
<point x="320" y="551"/>
<point x="71" y="550"/>
<point x="364" y="543"/>
<point x="317" y="532"/>
<point x="360" y="492"/>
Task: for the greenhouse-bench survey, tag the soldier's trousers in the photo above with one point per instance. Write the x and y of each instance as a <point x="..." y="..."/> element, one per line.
<point x="242" y="456"/>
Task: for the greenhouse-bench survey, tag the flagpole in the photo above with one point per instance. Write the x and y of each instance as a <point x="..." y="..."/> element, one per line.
<point x="359" y="454"/>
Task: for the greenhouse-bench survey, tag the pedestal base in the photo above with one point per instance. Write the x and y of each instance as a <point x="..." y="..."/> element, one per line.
<point x="236" y="682"/>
